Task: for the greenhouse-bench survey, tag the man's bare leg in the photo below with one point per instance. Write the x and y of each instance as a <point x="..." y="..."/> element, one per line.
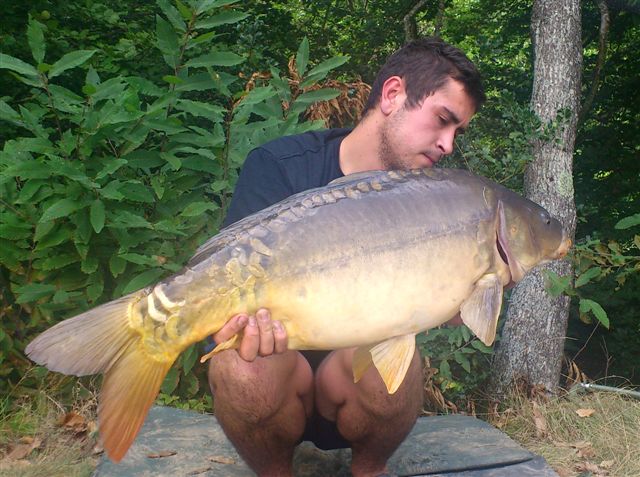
<point x="263" y="406"/>
<point x="374" y="421"/>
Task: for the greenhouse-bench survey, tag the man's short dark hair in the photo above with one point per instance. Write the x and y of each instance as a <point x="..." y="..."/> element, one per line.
<point x="425" y="65"/>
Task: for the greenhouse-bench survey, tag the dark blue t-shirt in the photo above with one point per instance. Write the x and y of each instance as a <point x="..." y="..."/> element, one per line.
<point x="284" y="167"/>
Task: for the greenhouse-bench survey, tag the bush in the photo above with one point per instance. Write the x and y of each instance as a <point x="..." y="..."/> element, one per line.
<point x="111" y="186"/>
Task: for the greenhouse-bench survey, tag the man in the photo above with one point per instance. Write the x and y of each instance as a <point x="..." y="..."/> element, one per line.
<point x="268" y="398"/>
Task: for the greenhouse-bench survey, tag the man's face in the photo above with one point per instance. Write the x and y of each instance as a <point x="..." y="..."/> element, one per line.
<point x="412" y="138"/>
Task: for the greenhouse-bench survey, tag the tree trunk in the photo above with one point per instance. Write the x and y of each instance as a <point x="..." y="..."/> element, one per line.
<point x="532" y="345"/>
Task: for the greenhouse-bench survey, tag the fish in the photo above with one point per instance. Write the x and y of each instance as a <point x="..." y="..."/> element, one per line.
<point x="368" y="261"/>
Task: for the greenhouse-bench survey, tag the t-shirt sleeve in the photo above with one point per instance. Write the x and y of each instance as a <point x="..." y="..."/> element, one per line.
<point x="262" y="182"/>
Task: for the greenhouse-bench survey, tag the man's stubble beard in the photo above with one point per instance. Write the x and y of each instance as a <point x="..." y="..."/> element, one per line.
<point x="388" y="148"/>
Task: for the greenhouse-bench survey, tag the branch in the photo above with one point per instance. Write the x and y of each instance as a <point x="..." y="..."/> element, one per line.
<point x="410" y="27"/>
<point x="602" y="53"/>
<point x="439" y="18"/>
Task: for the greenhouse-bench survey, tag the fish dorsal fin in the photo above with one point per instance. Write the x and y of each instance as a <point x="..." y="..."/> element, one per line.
<point x="356" y="176"/>
<point x="391" y="358"/>
<point x="481" y="310"/>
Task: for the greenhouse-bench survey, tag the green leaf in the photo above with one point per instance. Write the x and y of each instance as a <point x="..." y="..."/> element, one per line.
<point x="587" y="305"/>
<point x="70" y="60"/>
<point x="224" y="18"/>
<point x="555" y="284"/>
<point x="137" y="192"/>
<point x="302" y="57"/>
<point x="257" y="95"/>
<point x="189" y="358"/>
<point x="8" y="113"/>
<point x="185" y="11"/>
<point x="14" y="64"/>
<point x="171" y="381"/>
<point x="112" y="166"/>
<point x="201" y="109"/>
<point x="61" y="208"/>
<point x="168" y="42"/>
<point x="139" y="259"/>
<point x="463" y="361"/>
<point x="172" y="14"/>
<point x="207" y="5"/>
<point x="323" y="68"/>
<point x="171" y="79"/>
<point x="89" y="264"/>
<point x="42" y="229"/>
<point x="197" y="208"/>
<point x="33" y="291"/>
<point x="628" y="222"/>
<point x="13" y="232"/>
<point x="57" y="261"/>
<point x="112" y="191"/>
<point x="445" y="369"/>
<point x="323" y="94"/>
<point x="125" y="219"/>
<point x="217" y="58"/>
<point x="117" y="265"/>
<point x="35" y="37"/>
<point x="587" y="276"/>
<point x="142" y="280"/>
<point x="97" y="215"/>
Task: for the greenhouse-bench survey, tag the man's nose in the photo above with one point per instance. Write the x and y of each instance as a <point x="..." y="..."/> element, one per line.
<point x="445" y="142"/>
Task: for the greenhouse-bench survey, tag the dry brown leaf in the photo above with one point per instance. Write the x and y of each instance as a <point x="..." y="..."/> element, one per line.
<point x="539" y="421"/>
<point x="581" y="444"/>
<point x="220" y="459"/>
<point x="200" y="470"/>
<point x="588" y="467"/>
<point x="161" y="454"/>
<point x="586" y="453"/>
<point x="73" y="422"/>
<point x="607" y="464"/>
<point x="22" y="450"/>
<point x="585" y="412"/>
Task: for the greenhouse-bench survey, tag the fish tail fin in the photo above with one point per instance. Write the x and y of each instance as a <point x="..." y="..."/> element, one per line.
<point x="101" y="340"/>
<point x="128" y="391"/>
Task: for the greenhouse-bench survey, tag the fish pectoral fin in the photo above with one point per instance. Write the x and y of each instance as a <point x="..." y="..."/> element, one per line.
<point x="481" y="310"/>
<point x="392" y="359"/>
<point x="361" y="362"/>
<point x="230" y="343"/>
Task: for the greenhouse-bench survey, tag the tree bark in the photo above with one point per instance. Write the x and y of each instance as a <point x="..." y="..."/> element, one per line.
<point x="532" y="345"/>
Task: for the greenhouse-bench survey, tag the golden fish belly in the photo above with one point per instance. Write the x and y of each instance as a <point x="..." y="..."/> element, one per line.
<point x="373" y="297"/>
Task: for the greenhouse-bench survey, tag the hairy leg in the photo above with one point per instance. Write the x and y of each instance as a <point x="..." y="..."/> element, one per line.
<point x="262" y="406"/>
<point x="374" y="421"/>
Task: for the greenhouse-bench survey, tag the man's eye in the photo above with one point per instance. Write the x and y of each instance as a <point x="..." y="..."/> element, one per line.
<point x="443" y="120"/>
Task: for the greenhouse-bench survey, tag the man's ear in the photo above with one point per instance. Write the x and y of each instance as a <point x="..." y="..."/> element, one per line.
<point x="393" y="95"/>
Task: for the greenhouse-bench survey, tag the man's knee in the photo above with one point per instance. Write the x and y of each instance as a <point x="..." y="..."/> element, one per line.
<point x="369" y="396"/>
<point x="259" y="389"/>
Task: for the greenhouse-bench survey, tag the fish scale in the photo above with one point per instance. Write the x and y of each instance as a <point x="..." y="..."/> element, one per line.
<point x="367" y="261"/>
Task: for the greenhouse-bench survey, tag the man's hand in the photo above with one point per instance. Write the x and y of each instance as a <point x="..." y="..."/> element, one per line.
<point x="262" y="336"/>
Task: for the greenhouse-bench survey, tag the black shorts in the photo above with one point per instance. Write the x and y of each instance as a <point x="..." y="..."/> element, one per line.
<point x="322" y="432"/>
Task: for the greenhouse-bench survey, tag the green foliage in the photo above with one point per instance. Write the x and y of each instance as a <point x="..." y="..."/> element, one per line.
<point x="462" y="360"/>
<point x="110" y="184"/>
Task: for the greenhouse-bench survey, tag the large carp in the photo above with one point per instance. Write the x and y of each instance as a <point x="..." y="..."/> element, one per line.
<point x="367" y="261"/>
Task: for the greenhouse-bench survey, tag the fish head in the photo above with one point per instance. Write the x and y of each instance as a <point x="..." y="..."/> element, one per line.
<point x="527" y="235"/>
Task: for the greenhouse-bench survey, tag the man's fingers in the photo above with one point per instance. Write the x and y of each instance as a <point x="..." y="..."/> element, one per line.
<point x="250" y="341"/>
<point x="266" y="332"/>
<point x="279" y="337"/>
<point x="231" y="327"/>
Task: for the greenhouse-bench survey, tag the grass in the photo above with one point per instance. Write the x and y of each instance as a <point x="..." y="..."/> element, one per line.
<point x="39" y="437"/>
<point x="605" y="442"/>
